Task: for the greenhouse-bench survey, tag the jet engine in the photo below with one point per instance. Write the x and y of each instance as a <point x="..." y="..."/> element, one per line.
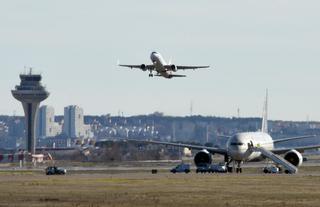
<point x="203" y="157"/>
<point x="294" y="157"/>
<point x="174" y="68"/>
<point x="143" y="67"/>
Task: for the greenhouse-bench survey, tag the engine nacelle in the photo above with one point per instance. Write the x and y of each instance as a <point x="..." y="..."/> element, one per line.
<point x="143" y="67"/>
<point x="294" y="157"/>
<point x="174" y="68"/>
<point x="203" y="157"/>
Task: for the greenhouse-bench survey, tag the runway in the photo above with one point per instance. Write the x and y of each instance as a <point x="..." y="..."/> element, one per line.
<point x="130" y="188"/>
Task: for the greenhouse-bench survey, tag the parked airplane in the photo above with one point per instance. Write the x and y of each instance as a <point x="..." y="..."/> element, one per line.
<point x="161" y="67"/>
<point x="250" y="146"/>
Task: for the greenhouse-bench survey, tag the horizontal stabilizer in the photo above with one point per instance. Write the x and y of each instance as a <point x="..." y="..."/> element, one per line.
<point x="175" y="75"/>
<point x="172" y="76"/>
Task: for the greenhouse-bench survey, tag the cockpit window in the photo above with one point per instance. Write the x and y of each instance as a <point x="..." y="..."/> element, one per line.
<point x="236" y="143"/>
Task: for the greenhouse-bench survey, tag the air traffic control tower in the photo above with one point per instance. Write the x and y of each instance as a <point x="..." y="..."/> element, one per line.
<point x="30" y="92"/>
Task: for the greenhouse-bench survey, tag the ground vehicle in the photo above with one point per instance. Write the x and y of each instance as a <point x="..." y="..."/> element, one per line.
<point x="218" y="168"/>
<point x="203" y="168"/>
<point x="53" y="170"/>
<point x="213" y="168"/>
<point x="181" y="168"/>
<point x="271" y="169"/>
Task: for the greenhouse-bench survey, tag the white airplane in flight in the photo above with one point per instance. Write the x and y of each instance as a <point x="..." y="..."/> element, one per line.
<point x="250" y="146"/>
<point x="161" y="68"/>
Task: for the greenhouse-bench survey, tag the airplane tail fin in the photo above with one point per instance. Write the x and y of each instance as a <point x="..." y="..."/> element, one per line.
<point x="264" y="126"/>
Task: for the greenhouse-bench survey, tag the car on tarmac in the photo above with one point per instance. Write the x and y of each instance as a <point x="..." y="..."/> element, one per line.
<point x="212" y="168"/>
<point x="218" y="168"/>
<point x="53" y="170"/>
<point x="181" y="168"/>
<point x="271" y="169"/>
<point x="203" y="168"/>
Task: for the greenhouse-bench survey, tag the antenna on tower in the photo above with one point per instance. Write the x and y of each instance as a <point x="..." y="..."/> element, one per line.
<point x="173" y="132"/>
<point x="264" y="126"/>
<point x="238" y="112"/>
<point x="207" y="134"/>
<point x="191" y="108"/>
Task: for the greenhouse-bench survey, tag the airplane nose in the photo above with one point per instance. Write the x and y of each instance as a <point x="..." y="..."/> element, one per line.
<point x="153" y="56"/>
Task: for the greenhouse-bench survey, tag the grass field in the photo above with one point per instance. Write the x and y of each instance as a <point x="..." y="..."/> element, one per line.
<point x="28" y="188"/>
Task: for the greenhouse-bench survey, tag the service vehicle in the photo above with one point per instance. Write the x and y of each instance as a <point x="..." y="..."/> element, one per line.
<point x="53" y="170"/>
<point x="271" y="169"/>
<point x="181" y="168"/>
<point x="203" y="168"/>
<point x="218" y="168"/>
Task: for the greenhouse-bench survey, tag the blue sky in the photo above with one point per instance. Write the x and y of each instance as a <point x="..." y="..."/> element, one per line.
<point x="251" y="46"/>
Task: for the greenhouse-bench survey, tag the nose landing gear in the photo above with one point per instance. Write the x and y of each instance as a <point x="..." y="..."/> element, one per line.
<point x="150" y="74"/>
<point x="227" y="160"/>
<point x="239" y="169"/>
<point x="230" y="169"/>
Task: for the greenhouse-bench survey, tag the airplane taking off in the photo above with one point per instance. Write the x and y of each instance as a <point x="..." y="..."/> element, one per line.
<point x="249" y="146"/>
<point x="161" y="68"/>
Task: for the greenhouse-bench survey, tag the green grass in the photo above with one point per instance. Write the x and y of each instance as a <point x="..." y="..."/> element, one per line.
<point x="162" y="189"/>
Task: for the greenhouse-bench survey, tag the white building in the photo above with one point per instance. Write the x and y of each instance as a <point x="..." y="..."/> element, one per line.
<point x="74" y="126"/>
<point x="45" y="125"/>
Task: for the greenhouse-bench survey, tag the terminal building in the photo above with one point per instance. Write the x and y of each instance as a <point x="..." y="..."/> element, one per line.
<point x="73" y="125"/>
<point x="52" y="134"/>
<point x="46" y="126"/>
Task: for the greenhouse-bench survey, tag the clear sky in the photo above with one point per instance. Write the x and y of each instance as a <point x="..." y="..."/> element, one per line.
<point x="250" y="46"/>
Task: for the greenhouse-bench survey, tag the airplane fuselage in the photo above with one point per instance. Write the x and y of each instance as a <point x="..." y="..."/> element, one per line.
<point x="159" y="64"/>
<point x="238" y="146"/>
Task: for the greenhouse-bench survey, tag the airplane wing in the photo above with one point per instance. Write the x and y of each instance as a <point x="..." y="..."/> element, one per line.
<point x="299" y="149"/>
<point x="181" y="67"/>
<point x="224" y="136"/>
<point x="190" y="146"/>
<point x="55" y="149"/>
<point x="142" y="66"/>
<point x="292" y="138"/>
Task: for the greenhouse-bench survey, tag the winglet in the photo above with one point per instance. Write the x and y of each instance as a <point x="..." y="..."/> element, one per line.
<point x="118" y="62"/>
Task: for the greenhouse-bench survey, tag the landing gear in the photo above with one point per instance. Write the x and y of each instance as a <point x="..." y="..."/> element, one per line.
<point x="150" y="73"/>
<point x="230" y="169"/>
<point x="239" y="169"/>
<point x="227" y="160"/>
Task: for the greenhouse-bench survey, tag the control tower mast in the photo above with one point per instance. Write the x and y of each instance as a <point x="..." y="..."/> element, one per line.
<point x="30" y="92"/>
